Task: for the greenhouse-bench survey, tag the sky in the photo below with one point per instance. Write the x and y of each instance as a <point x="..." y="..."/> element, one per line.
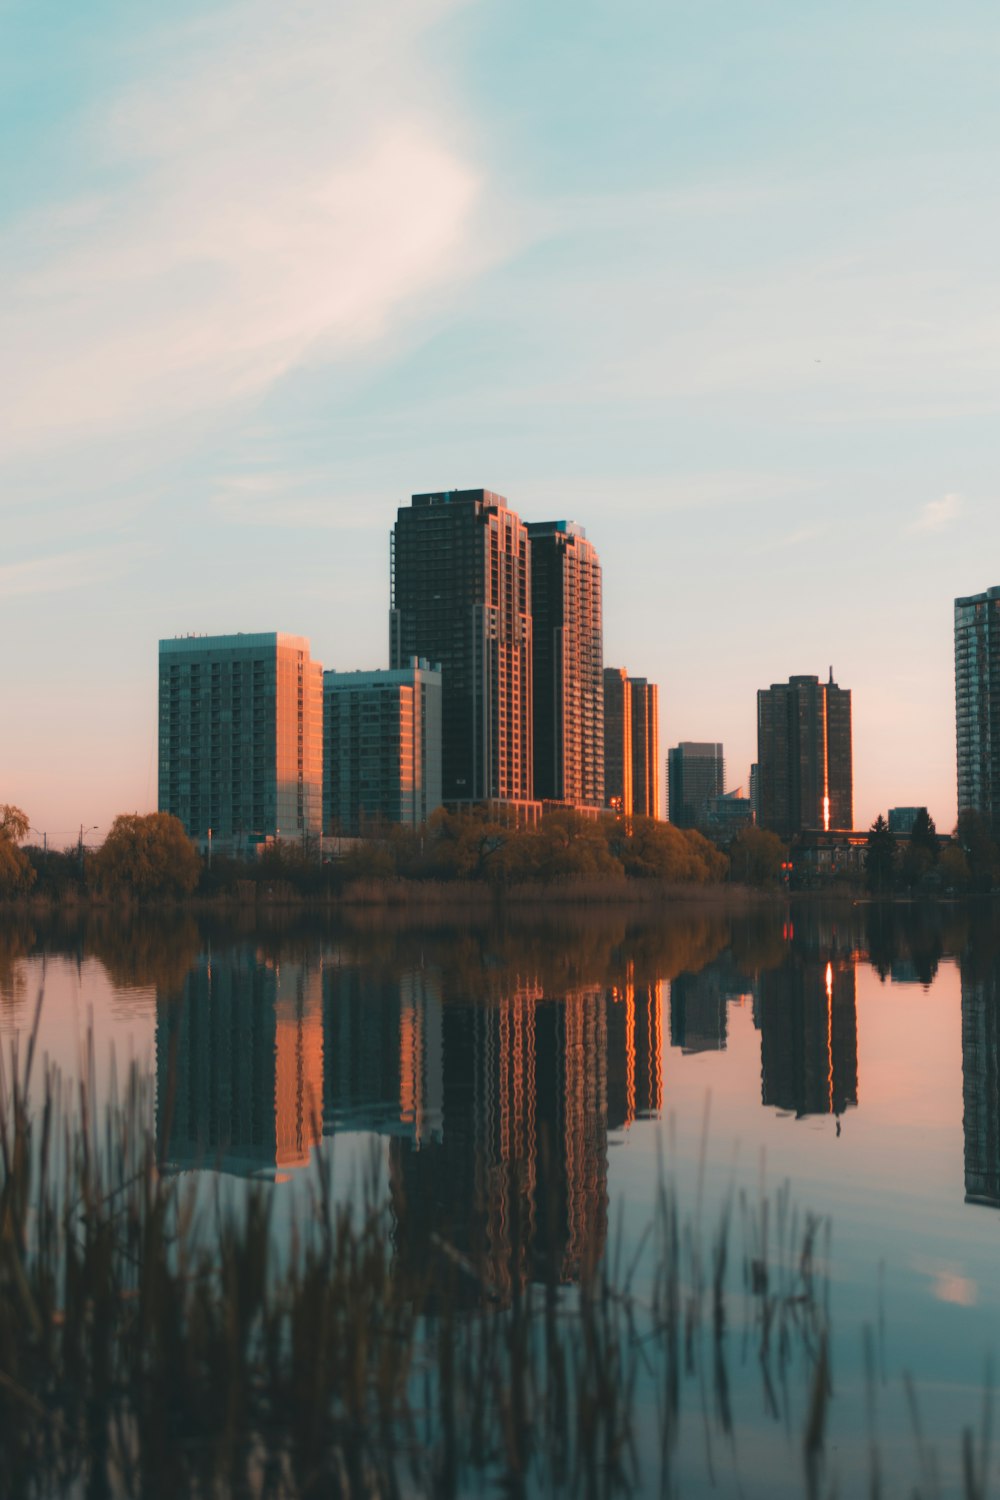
<point x="717" y="280"/>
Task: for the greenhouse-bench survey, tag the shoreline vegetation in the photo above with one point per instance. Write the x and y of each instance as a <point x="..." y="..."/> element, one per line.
<point x="157" y="1341"/>
<point x="470" y="858"/>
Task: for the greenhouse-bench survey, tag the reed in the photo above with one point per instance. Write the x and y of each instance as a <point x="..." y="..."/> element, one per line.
<point x="153" y="1344"/>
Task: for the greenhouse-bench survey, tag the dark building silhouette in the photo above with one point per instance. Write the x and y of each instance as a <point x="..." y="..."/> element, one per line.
<point x="239" y="1067"/>
<point x="981" y="1085"/>
<point x="646" y="800"/>
<point x="568" y="665"/>
<point x="382" y="1045"/>
<point x="804" y="756"/>
<point x="696" y="773"/>
<point x="635" y="1052"/>
<point x="977" y="704"/>
<point x="699" y="1011"/>
<point x="807" y="1015"/>
<point x="618" y="740"/>
<point x="461" y="597"/>
<point x="517" y="1182"/>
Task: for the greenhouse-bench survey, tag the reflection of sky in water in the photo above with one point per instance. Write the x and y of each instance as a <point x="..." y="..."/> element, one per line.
<point x="487" y="1088"/>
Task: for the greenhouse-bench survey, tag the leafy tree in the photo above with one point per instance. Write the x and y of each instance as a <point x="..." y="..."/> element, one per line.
<point x="923" y="834"/>
<point x="16" y="871"/>
<point x="146" y="855"/>
<point x="954" y="868"/>
<point x="979" y="847"/>
<point x="756" y="856"/>
<point x="880" y="855"/>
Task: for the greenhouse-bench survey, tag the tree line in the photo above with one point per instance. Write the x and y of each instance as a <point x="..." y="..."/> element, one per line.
<point x="922" y="861"/>
<point x="149" y="855"/>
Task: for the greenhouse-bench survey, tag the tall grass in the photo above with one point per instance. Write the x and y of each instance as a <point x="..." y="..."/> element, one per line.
<point x="153" y="1347"/>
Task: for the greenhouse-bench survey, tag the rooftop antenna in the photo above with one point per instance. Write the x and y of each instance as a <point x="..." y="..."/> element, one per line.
<point x="831" y="676"/>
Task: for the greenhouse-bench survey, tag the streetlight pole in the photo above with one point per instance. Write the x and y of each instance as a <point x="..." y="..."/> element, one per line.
<point x="91" y="829"/>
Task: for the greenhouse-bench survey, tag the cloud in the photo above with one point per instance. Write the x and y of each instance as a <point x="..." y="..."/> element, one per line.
<point x="936" y="515"/>
<point x="283" y="190"/>
<point x="290" y="498"/>
<point x="60" y="571"/>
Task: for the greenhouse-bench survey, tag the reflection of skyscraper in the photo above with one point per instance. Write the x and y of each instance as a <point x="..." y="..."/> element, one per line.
<point x="699" y="1005"/>
<point x="517" y="1184"/>
<point x="981" y="1086"/>
<point x="807" y="1015"/>
<point x="382" y="1043"/>
<point x="635" y="1052"/>
<point x="239" y="1067"/>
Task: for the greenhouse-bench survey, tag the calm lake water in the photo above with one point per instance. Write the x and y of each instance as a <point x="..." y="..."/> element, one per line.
<point x="547" y="1072"/>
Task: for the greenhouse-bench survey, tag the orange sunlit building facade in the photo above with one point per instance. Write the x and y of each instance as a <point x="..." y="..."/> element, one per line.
<point x="241" y="739"/>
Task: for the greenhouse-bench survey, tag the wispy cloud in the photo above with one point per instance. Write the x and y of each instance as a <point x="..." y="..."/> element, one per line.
<point x="285" y="189"/>
<point x="306" y="499"/>
<point x="60" y="571"/>
<point x="937" y="515"/>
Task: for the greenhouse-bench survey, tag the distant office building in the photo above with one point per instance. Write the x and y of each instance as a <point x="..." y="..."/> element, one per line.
<point x="804" y="756"/>
<point x="755" y="791"/>
<point x="646" y="801"/>
<point x="977" y="704"/>
<point x="696" y="773"/>
<point x="241" y="754"/>
<point x="568" y="665"/>
<point x="381" y="748"/>
<point x="728" y="815"/>
<point x="461" y="597"/>
<point x="617" y="740"/>
<point x="902" y="819"/>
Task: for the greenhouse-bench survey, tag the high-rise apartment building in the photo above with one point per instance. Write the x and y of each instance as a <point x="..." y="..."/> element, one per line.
<point x="977" y="704"/>
<point x="241" y="755"/>
<point x="696" y="772"/>
<point x="461" y="597"/>
<point x="381" y="747"/>
<point x="646" y="799"/>
<point x="568" y="664"/>
<point x="617" y="740"/>
<point x="804" y="756"/>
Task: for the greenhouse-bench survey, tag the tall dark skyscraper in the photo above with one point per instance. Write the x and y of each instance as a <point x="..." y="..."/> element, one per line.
<point x="977" y="703"/>
<point x="645" y="698"/>
<point x="804" y="755"/>
<point x="568" y="664"/>
<point x="695" y="773"/>
<point x="617" y="740"/>
<point x="461" y="597"/>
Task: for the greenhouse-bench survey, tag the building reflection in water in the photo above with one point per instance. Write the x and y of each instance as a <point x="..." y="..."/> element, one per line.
<point x="497" y="1110"/>
<point x="383" y="1049"/>
<point x="239" y="1063"/>
<point x="981" y="1084"/>
<point x="699" y="1006"/>
<point x="807" y="1016"/>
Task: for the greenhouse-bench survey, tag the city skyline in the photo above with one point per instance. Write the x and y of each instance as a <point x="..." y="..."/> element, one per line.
<point x="264" y="280"/>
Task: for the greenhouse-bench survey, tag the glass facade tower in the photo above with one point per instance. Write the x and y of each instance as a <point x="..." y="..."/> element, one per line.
<point x="804" y="756"/>
<point x="461" y="597"/>
<point x="977" y="704"/>
<point x="240" y="739"/>
<point x="568" y="666"/>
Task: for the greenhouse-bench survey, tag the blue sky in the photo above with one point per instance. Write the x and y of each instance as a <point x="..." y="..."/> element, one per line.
<point x="718" y="280"/>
